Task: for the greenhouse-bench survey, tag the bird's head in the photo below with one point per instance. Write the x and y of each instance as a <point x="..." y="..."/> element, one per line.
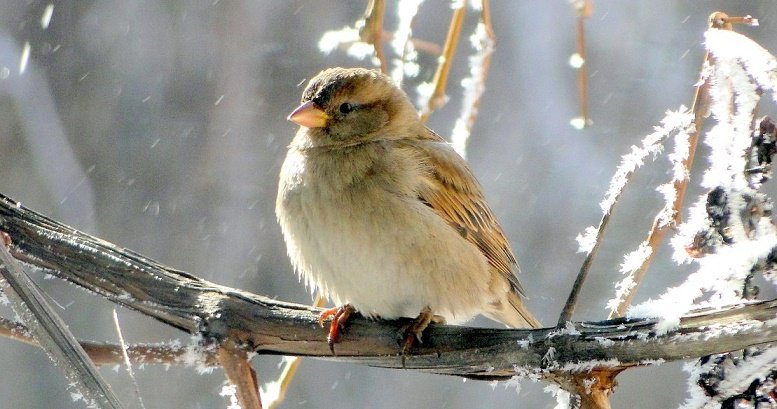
<point x="342" y="105"/>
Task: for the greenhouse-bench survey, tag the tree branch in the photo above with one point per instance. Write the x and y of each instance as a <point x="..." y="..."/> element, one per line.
<point x="273" y="327"/>
<point x="52" y="333"/>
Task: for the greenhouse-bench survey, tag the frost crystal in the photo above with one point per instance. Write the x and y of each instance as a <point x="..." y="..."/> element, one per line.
<point x="576" y="61"/>
<point x="739" y="69"/>
<point x="631" y="263"/>
<point x="562" y="397"/>
<point x="195" y="356"/>
<point x="474" y="87"/>
<point x="230" y="391"/>
<point x="633" y="260"/>
<point x="346" y="37"/>
<point x="675" y="121"/>
<point x="587" y="240"/>
<point x="669" y="193"/>
<point x="271" y="391"/>
<point x="549" y="356"/>
<point x="403" y="47"/>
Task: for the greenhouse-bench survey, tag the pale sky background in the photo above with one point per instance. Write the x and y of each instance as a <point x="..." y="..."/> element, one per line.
<point x="160" y="126"/>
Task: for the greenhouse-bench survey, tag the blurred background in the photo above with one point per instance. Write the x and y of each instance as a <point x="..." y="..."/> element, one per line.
<point x="160" y="126"/>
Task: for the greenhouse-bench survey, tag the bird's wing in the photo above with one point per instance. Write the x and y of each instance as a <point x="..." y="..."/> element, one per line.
<point x="450" y="188"/>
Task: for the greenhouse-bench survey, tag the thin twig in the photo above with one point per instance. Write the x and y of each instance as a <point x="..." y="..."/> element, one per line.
<point x="372" y="30"/>
<point x="52" y="333"/>
<point x="584" y="9"/>
<point x="440" y="81"/>
<point x="659" y="229"/>
<point x="700" y="109"/>
<point x="421" y="45"/>
<point x="238" y="369"/>
<point x="290" y="368"/>
<point x="109" y="354"/>
<point x="569" y="307"/>
<point x="474" y="87"/>
<point x="127" y="362"/>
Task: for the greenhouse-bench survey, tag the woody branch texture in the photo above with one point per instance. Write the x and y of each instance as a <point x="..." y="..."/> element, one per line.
<point x="267" y="326"/>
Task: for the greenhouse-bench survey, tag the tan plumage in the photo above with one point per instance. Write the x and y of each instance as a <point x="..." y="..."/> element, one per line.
<point x="451" y="189"/>
<point x="379" y="212"/>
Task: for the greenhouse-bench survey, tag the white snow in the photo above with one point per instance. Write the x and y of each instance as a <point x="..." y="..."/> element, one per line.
<point x="406" y="64"/>
<point x="652" y="144"/>
<point x="474" y="86"/>
<point x="587" y="240"/>
<point x="739" y="67"/>
<point x="562" y="396"/>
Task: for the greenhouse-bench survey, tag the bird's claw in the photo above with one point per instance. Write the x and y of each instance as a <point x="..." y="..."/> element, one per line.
<point x="339" y="318"/>
<point x="415" y="329"/>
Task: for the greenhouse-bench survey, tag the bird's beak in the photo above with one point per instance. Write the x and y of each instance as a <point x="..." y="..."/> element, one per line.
<point x="309" y="115"/>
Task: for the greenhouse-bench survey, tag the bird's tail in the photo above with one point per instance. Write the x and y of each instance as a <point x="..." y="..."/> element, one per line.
<point x="515" y="314"/>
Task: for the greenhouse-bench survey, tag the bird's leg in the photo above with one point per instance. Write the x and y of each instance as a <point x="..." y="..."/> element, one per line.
<point x="339" y="317"/>
<point x="414" y="330"/>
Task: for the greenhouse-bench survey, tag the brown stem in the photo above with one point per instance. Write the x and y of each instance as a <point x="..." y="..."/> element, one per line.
<point x="594" y="388"/>
<point x="440" y="81"/>
<point x="109" y="354"/>
<point x="577" y="286"/>
<point x="487" y="50"/>
<point x="372" y="31"/>
<point x="238" y="369"/>
<point x="584" y="10"/>
<point x="290" y="367"/>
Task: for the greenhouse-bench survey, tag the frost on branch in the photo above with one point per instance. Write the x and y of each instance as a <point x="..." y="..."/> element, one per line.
<point x="474" y="87"/>
<point x="586" y="240"/>
<point x="680" y="121"/>
<point x="733" y="381"/>
<point x="631" y="262"/>
<point x="406" y="64"/>
<point x="349" y="38"/>
<point x="729" y="233"/>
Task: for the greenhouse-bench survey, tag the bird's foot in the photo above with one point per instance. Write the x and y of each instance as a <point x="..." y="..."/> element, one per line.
<point x="415" y="329"/>
<point x="339" y="317"/>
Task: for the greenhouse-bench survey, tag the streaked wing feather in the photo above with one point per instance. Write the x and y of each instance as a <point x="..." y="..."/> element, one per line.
<point x="452" y="191"/>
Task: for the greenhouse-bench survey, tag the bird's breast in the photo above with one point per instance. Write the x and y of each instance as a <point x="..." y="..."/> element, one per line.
<point x="364" y="238"/>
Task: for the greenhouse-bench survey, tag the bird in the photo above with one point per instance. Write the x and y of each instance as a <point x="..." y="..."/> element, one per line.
<point x="380" y="215"/>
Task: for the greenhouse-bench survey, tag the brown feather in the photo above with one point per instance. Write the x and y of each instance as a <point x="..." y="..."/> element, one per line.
<point x="453" y="192"/>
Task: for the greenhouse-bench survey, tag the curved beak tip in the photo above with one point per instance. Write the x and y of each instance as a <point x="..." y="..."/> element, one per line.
<point x="309" y="115"/>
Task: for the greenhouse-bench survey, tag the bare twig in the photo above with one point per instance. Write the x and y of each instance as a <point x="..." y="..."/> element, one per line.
<point x="238" y="369"/>
<point x="584" y="9"/>
<point x="127" y="362"/>
<point x="109" y="354"/>
<point x="595" y="387"/>
<point x="372" y="30"/>
<point x="53" y="335"/>
<point x="440" y="81"/>
<point x="582" y="274"/>
<point x="474" y="86"/>
<point x="290" y="368"/>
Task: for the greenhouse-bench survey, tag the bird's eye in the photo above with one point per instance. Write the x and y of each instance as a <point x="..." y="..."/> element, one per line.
<point x="346" y="108"/>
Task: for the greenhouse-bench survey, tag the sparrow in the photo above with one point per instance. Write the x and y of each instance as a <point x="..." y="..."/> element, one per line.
<point x="381" y="216"/>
